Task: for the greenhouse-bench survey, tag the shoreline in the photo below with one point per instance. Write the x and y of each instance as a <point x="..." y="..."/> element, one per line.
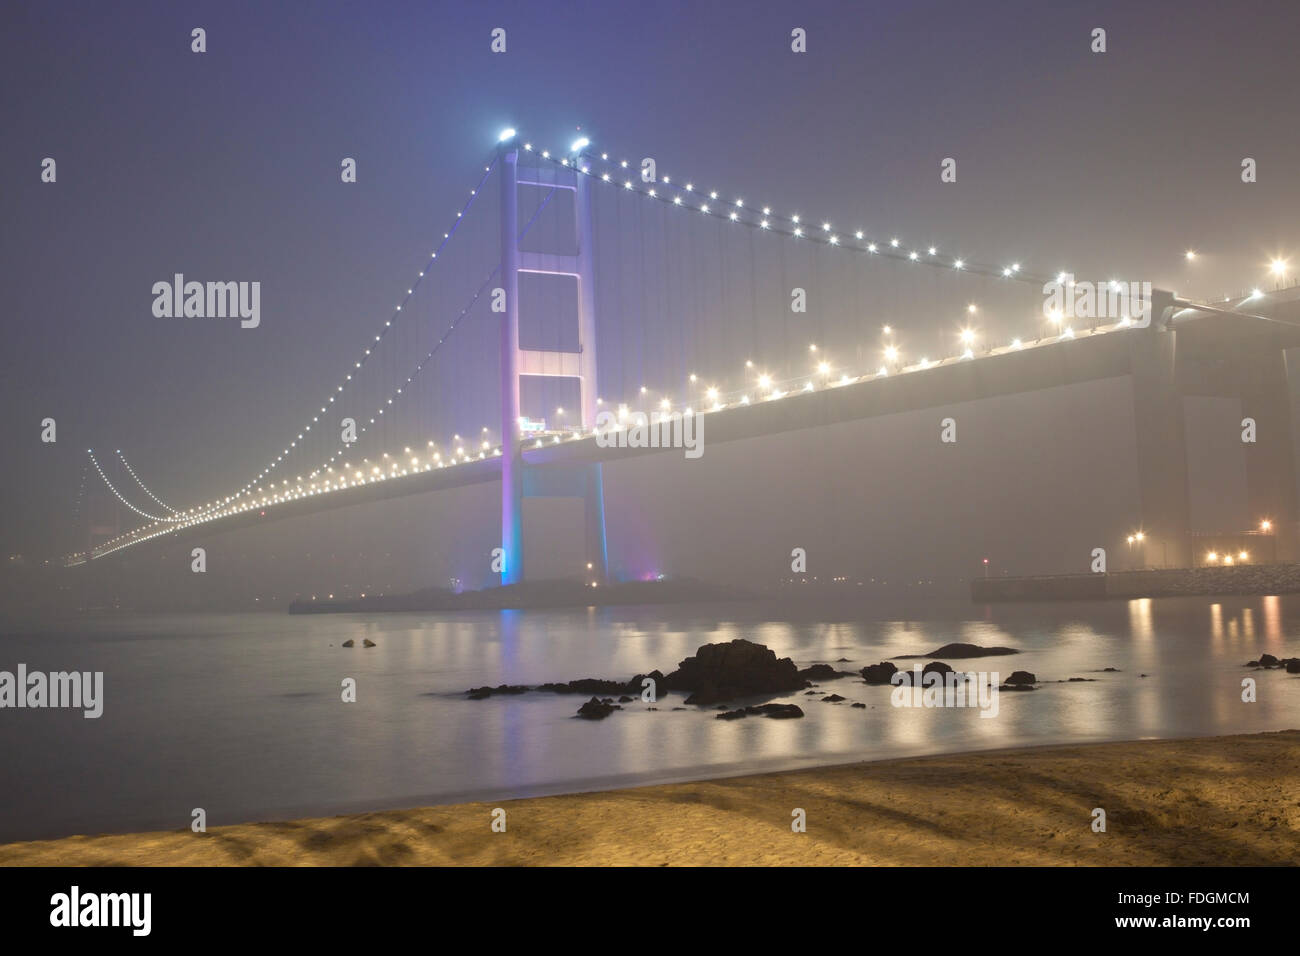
<point x="1191" y="801"/>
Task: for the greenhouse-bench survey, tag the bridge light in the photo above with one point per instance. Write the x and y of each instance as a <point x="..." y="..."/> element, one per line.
<point x="765" y="381"/>
<point x="1278" y="267"/>
<point x="871" y="247"/>
<point x="1015" y="343"/>
<point x="913" y="256"/>
<point x="712" y="393"/>
<point x="824" y="367"/>
<point x="971" y="308"/>
<point x="967" y="336"/>
<point x="933" y="250"/>
<point x="959" y="264"/>
<point x="1255" y="293"/>
<point x="1265" y="525"/>
<point x="506" y="135"/>
<point x="894" y="243"/>
<point x="891" y="353"/>
<point x="1190" y="255"/>
<point x="1242" y="556"/>
<point x="579" y="144"/>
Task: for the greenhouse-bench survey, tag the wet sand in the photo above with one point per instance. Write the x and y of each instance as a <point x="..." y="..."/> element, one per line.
<point x="1226" y="801"/>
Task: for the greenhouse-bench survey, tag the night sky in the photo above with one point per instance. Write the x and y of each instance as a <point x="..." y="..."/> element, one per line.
<point x="225" y="166"/>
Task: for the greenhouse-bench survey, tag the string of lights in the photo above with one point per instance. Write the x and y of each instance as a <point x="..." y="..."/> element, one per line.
<point x="120" y="497"/>
<point x="688" y="196"/>
<point x="369" y="349"/>
<point x="131" y="472"/>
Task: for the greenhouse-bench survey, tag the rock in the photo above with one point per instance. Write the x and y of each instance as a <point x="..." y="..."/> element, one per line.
<point x="823" y="672"/>
<point x="1022" y="677"/>
<point x="841" y="660"/>
<point x="738" y="668"/>
<point x="858" y="704"/>
<point x="958" y="651"/>
<point x="775" y="711"/>
<point x="636" y="685"/>
<point x="1016" y="687"/>
<point x="596" y="709"/>
<point x="368" y="642"/>
<point x="1251" y="664"/>
<point x="936" y="667"/>
<point x="1267" y="660"/>
<point x="625" y="699"/>
<point x="479" y="693"/>
<point x="348" y="642"/>
<point x="1110" y="670"/>
<point x="1293" y="666"/>
<point x="833" y="699"/>
<point x="1082" y="680"/>
<point x="879" y="673"/>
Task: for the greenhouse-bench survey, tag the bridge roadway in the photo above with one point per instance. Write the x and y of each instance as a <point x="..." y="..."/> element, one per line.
<point x="1207" y="343"/>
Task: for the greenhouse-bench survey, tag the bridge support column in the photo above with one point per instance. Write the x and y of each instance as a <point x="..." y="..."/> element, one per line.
<point x="594" y="509"/>
<point x="517" y="480"/>
<point x="1161" y="447"/>
<point x="1270" y="461"/>
<point x="512" y="463"/>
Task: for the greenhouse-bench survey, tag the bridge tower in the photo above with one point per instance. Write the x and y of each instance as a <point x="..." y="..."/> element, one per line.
<point x="518" y="481"/>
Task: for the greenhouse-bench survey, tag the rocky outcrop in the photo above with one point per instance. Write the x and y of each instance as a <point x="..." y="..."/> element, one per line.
<point x="775" y="711"/>
<point x="959" y="651"/>
<point x="1022" y="677"/>
<point x="738" y="668"/>
<point x="879" y="673"/>
<point x="597" y="709"/>
<point x="481" y="693"/>
<point x="823" y="672"/>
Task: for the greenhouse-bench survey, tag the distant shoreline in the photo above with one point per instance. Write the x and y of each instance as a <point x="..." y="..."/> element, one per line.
<point x="1209" y="801"/>
<point x="532" y="595"/>
<point x="1241" y="579"/>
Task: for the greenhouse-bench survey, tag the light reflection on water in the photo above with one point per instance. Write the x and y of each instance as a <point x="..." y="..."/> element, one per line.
<point x="241" y="714"/>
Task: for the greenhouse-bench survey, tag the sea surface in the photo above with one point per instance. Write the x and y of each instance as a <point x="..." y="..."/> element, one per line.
<point x="242" y="714"/>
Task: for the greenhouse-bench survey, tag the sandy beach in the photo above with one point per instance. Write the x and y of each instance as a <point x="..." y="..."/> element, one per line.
<point x="1212" y="801"/>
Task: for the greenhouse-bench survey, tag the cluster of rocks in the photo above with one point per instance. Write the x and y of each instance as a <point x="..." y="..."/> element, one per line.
<point x="718" y="673"/>
<point x="715" y="674"/>
<point x="365" y="641"/>
<point x="1269" y="662"/>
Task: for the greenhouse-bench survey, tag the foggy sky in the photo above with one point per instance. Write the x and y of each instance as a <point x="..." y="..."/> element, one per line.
<point x="225" y="165"/>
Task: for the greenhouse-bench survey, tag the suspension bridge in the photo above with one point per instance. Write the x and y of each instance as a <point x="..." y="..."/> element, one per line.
<point x="591" y="345"/>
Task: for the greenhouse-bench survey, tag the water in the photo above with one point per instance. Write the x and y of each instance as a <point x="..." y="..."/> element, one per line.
<point x="241" y="714"/>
